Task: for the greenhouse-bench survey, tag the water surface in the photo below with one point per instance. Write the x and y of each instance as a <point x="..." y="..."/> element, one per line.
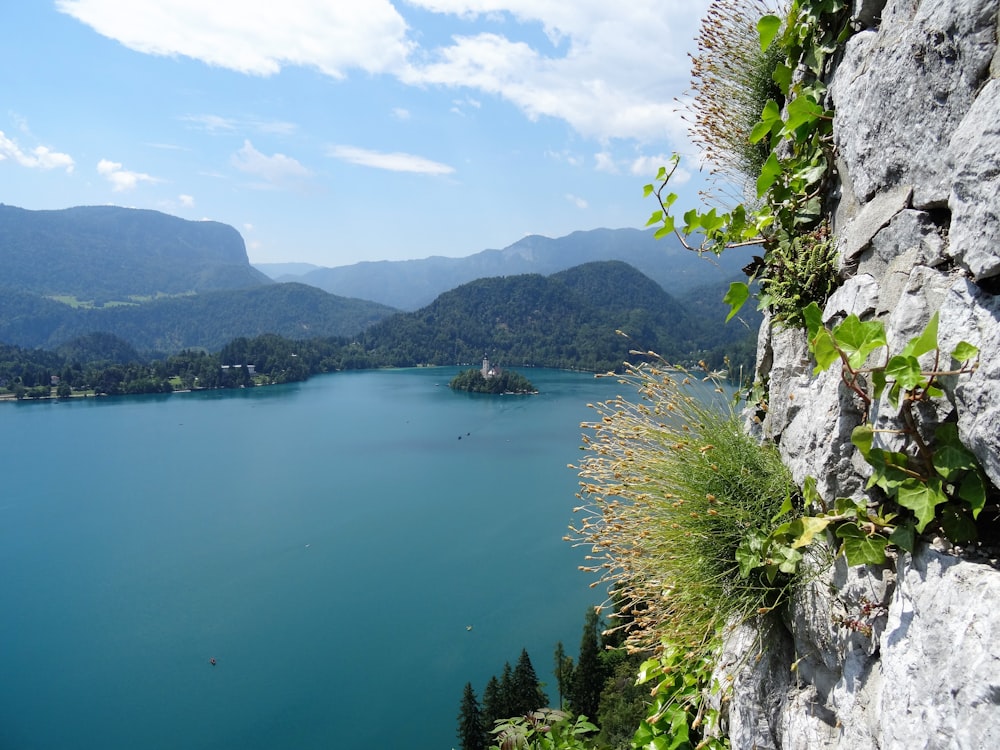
<point x="328" y="543"/>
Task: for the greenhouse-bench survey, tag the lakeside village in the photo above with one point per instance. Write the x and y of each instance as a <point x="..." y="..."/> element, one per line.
<point x="491" y="378"/>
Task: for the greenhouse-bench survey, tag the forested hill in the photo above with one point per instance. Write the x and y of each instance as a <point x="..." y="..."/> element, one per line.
<point x="411" y="284"/>
<point x="209" y="320"/>
<point x="104" y="253"/>
<point x="568" y="319"/>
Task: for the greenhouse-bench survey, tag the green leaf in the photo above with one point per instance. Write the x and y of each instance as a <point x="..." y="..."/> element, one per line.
<point x="903" y="536"/>
<point x="922" y="498"/>
<point x="806" y="528"/>
<point x="782" y="76"/>
<point x="858" y="339"/>
<point x="813" y="317"/>
<point x="667" y="228"/>
<point x="925" y="342"/>
<point x="738" y="294"/>
<point x="647" y="190"/>
<point x="769" y="173"/>
<point x="973" y="491"/>
<point x="951" y="458"/>
<point x="957" y="525"/>
<point x="768" y="28"/>
<point x="863" y="436"/>
<point x="905" y="371"/>
<point x="655" y="218"/>
<point x="860" y="548"/>
<point x="964" y="352"/>
<point x="824" y="350"/>
<point x="801" y="110"/>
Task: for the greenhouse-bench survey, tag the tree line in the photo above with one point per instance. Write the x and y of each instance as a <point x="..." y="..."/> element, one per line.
<point x="599" y="685"/>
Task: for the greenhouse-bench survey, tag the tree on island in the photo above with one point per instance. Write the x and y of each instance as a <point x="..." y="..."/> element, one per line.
<point x="504" y="382"/>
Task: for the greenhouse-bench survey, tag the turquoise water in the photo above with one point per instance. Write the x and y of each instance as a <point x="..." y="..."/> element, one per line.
<point x="328" y="543"/>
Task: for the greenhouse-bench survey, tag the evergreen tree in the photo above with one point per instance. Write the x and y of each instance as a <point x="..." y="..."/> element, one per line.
<point x="590" y="674"/>
<point x="564" y="672"/>
<point x="491" y="711"/>
<point x="471" y="734"/>
<point x="528" y="693"/>
<point x="508" y="705"/>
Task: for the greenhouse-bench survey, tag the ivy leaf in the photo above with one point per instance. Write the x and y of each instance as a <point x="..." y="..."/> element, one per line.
<point x="973" y="491"/>
<point x="824" y="350"/>
<point x="951" y="458"/>
<point x="860" y="548"/>
<point x="813" y="317"/>
<point x="655" y="218"/>
<point x="863" y="436"/>
<point x="905" y="370"/>
<point x="768" y="28"/>
<point x="782" y="76"/>
<point x="964" y="352"/>
<point x="903" y="537"/>
<point x="858" y="339"/>
<point x="925" y="342"/>
<point x="922" y="498"/>
<point x="768" y="174"/>
<point x="957" y="526"/>
<point x="738" y="294"/>
<point x="801" y="110"/>
<point x="667" y="228"/>
<point x="806" y="528"/>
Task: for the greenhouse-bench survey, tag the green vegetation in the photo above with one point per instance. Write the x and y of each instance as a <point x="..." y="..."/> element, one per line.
<point x="732" y="78"/>
<point x="506" y="381"/>
<point x="928" y="481"/>
<point x="786" y="215"/>
<point x="107" y="253"/>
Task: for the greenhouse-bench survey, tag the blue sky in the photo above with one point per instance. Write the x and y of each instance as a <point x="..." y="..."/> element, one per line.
<point x="335" y="131"/>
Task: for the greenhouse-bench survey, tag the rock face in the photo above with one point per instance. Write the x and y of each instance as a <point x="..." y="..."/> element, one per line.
<point x="905" y="656"/>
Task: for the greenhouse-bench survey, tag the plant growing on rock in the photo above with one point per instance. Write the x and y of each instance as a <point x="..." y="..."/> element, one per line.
<point x="672" y="486"/>
<point x="931" y="482"/>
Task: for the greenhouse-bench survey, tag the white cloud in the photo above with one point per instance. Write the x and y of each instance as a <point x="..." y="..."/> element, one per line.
<point x="394" y="162"/>
<point x="255" y="36"/>
<point x="186" y="200"/>
<point x="120" y="178"/>
<point x="275" y="171"/>
<point x="217" y="124"/>
<point x="400" y="113"/>
<point x="610" y="70"/>
<point x="577" y="201"/>
<point x="605" y="162"/>
<point x="41" y="157"/>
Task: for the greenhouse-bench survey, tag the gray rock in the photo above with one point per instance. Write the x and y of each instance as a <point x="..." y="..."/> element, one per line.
<point x="858" y="233"/>
<point x="970" y="314"/>
<point x="912" y="238"/>
<point x="890" y="126"/>
<point x="975" y="189"/>
<point x="940" y="656"/>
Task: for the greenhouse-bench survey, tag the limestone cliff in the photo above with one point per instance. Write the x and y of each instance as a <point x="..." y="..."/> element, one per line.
<point x="906" y="656"/>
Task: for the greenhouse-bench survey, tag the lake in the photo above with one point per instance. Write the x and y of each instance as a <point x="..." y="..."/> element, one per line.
<point x="328" y="543"/>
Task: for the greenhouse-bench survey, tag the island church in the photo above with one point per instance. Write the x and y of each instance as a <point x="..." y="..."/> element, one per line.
<point x="489" y="371"/>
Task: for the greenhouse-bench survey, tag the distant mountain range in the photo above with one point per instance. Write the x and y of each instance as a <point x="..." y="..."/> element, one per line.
<point x="411" y="284"/>
<point x="163" y="284"/>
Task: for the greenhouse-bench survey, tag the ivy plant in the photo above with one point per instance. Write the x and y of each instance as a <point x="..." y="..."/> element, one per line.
<point x="933" y="482"/>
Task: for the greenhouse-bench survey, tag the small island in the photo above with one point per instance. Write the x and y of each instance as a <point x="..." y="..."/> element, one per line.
<point x="491" y="379"/>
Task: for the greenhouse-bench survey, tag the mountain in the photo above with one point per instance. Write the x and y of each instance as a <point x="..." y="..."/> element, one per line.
<point x="285" y="271"/>
<point x="411" y="284"/>
<point x="106" y="253"/>
<point x="208" y="320"/>
<point x="567" y="319"/>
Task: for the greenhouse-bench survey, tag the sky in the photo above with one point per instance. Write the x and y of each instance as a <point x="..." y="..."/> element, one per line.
<point x="337" y="131"/>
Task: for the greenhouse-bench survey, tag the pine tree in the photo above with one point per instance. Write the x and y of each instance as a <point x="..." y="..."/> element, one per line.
<point x="491" y="705"/>
<point x="471" y="734"/>
<point x="590" y="674"/>
<point x="528" y="693"/>
<point x="564" y="672"/>
<point x="508" y="706"/>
